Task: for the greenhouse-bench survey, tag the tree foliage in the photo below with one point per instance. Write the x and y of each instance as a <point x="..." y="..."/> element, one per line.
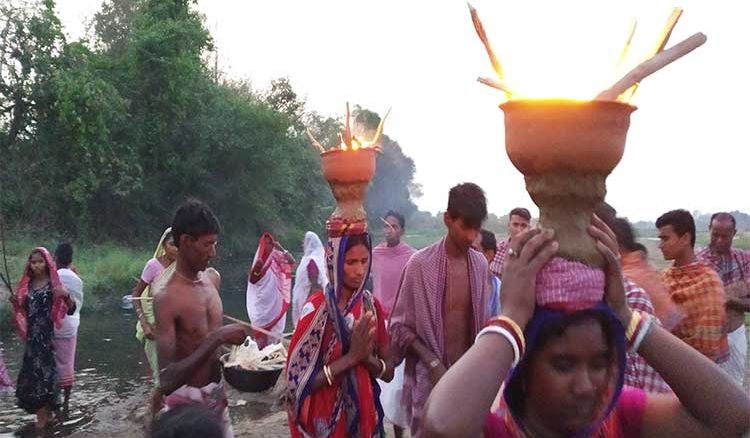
<point x="104" y="138"/>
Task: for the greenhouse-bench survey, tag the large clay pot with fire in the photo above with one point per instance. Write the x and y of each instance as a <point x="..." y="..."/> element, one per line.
<point x="349" y="172"/>
<point x="565" y="150"/>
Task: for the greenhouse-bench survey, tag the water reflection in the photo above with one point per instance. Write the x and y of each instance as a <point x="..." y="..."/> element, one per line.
<point x="112" y="377"/>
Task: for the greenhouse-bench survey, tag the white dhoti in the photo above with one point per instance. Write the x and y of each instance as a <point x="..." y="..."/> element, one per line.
<point x="735" y="366"/>
<point x="390" y="397"/>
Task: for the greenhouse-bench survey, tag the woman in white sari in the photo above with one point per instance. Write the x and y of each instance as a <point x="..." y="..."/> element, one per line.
<point x="269" y="284"/>
<point x="311" y="273"/>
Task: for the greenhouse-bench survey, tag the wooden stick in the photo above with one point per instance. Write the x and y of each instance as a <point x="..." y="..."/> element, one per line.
<point x="667" y="31"/>
<point x="348" y="128"/>
<point x="479" y="27"/>
<point x="661" y="42"/>
<point x="257" y="329"/>
<point x="6" y="277"/>
<point x="494" y="83"/>
<point x="314" y="142"/>
<point x="386" y="223"/>
<point x="379" y="130"/>
<point x="646" y="68"/>
<point x="141" y="298"/>
<point x="628" y="42"/>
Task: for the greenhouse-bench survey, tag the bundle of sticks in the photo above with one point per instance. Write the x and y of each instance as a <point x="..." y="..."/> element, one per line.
<point x="249" y="357"/>
<point x="284" y="338"/>
<point x="625" y="87"/>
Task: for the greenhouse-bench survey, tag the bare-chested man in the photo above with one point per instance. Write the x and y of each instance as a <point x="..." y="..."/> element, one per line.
<point x="733" y="266"/>
<point x="189" y="318"/>
<point x="442" y="301"/>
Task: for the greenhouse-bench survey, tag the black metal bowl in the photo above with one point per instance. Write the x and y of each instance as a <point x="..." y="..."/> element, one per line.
<point x="249" y="380"/>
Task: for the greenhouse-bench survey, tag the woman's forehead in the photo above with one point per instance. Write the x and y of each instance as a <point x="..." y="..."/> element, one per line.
<point x="585" y="337"/>
<point x="358" y="250"/>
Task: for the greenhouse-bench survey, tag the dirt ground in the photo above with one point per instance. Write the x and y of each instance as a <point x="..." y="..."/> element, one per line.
<point x="253" y="416"/>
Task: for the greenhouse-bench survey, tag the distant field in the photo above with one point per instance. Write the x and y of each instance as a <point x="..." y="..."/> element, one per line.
<point x="419" y="239"/>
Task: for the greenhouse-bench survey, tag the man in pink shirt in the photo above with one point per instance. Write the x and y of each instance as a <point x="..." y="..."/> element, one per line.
<point x="388" y="262"/>
<point x="389" y="259"/>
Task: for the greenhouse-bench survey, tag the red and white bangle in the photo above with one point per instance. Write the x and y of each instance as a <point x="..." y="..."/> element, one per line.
<point x="506" y="327"/>
<point x="502" y="331"/>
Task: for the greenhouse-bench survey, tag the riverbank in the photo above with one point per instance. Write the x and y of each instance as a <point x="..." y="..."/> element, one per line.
<point x="107" y="269"/>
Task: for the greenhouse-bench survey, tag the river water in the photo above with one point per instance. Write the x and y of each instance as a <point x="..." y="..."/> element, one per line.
<point x="112" y="377"/>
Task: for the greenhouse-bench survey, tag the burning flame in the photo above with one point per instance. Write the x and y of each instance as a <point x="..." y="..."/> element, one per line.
<point x="567" y="65"/>
<point x="350" y="141"/>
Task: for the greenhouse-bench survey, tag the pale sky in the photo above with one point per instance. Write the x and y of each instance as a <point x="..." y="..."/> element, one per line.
<point x="686" y="148"/>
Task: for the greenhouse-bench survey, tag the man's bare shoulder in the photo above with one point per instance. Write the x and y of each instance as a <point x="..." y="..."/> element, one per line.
<point x="213" y="276"/>
<point x="166" y="300"/>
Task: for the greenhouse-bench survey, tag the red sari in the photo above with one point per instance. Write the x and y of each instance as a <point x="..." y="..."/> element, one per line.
<point x="59" y="308"/>
<point x="329" y="411"/>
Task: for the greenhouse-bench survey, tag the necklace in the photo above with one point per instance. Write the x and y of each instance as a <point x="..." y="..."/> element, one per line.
<point x="198" y="280"/>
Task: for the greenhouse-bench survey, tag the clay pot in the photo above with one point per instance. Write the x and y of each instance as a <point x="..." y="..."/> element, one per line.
<point x="566" y="149"/>
<point x="349" y="173"/>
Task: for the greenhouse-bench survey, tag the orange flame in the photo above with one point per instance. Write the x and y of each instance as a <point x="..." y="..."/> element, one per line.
<point x="348" y="140"/>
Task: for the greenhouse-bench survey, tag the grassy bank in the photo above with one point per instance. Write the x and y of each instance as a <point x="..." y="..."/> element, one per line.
<point x="107" y="269"/>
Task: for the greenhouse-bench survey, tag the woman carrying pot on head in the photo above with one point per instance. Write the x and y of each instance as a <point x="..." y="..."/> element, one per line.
<point x="569" y="372"/>
<point x="338" y="350"/>
<point x="163" y="260"/>
<point x="39" y="306"/>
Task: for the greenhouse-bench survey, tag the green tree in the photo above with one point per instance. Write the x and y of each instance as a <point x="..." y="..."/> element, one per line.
<point x="112" y="26"/>
<point x="104" y="138"/>
<point x="31" y="39"/>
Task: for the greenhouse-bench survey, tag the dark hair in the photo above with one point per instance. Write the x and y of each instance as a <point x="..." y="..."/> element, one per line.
<point x="681" y="221"/>
<point x="189" y="421"/>
<point x="195" y="219"/>
<point x="399" y="217"/>
<point x="357" y="239"/>
<point x="467" y="202"/>
<point x="640" y="247"/>
<point x="624" y="233"/>
<point x="605" y="211"/>
<point x="521" y="212"/>
<point x="488" y="240"/>
<point x="64" y="255"/>
<point x="722" y="216"/>
<point x="554" y="329"/>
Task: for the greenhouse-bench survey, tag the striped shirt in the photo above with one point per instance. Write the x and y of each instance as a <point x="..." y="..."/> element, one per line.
<point x="496" y="265"/>
<point x="732" y="267"/>
<point x="698" y="290"/>
<point x="638" y="373"/>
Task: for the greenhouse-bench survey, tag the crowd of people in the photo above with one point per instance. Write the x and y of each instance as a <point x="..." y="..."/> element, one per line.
<point x="448" y="340"/>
